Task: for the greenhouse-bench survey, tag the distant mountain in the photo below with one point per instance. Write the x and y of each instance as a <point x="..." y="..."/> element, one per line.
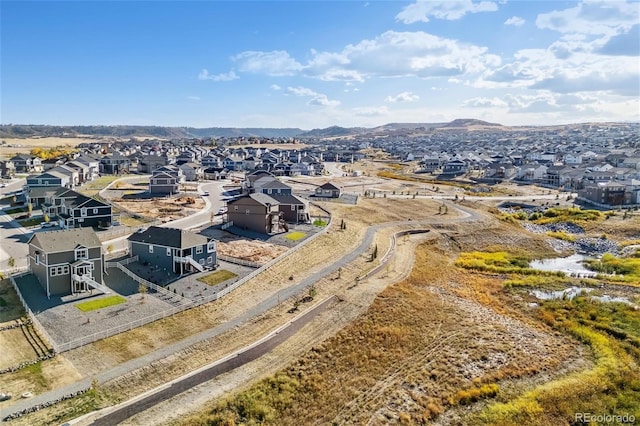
<point x="335" y="131"/>
<point x="231" y="132"/>
<point x="30" y="130"/>
<point x="470" y="122"/>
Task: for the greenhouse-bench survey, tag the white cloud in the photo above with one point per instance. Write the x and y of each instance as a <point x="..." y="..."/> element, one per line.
<point x="391" y="54"/>
<point x="371" y="111"/>
<point x="516" y="21"/>
<point x="317" y="99"/>
<point x="403" y="97"/>
<point x="396" y="54"/>
<point x="569" y="65"/>
<point x="450" y="10"/>
<point x="193" y="98"/>
<point x="274" y="63"/>
<point x="275" y="87"/>
<point x="484" y="102"/>
<point x="204" y="75"/>
<point x="592" y="17"/>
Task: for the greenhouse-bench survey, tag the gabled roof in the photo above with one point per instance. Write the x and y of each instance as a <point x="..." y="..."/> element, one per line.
<point x="329" y="185"/>
<point x="288" y="199"/>
<point x="269" y="182"/>
<point x="65" y="240"/>
<point x="169" y="237"/>
<point x="264" y="199"/>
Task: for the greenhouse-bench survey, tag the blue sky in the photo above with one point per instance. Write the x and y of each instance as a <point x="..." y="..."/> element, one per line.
<point x="313" y="64"/>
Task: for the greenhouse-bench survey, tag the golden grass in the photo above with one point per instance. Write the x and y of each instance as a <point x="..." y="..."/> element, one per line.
<point x="217" y="277"/>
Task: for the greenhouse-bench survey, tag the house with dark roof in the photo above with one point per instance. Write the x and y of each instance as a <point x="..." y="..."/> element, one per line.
<point x="49" y="178"/>
<point x="74" y="210"/>
<point x="25" y="163"/>
<point x="256" y="212"/>
<point x="7" y="169"/>
<point x="67" y="262"/>
<point x="328" y="190"/>
<point x="173" y="250"/>
<point x="166" y="180"/>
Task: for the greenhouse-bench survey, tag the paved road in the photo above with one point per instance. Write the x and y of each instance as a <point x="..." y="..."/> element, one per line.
<point x="229" y="363"/>
<point x="258" y="309"/>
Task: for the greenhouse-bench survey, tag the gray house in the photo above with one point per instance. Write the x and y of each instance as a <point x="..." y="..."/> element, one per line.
<point x="173" y="250"/>
<point x="256" y="212"/>
<point x="67" y="262"/>
<point x="328" y="190"/>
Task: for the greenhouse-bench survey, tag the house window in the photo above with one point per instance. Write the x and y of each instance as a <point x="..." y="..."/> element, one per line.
<point x="293" y="207"/>
<point x="168" y="252"/>
<point x="37" y="260"/>
<point x="269" y="191"/>
<point x="199" y="250"/>
<point x="82" y="253"/>
<point x="83" y="212"/>
<point x="210" y="260"/>
<point x="59" y="270"/>
<point x="201" y="261"/>
<point x="150" y="248"/>
<point x="235" y="208"/>
<point x="211" y="246"/>
<point x="95" y="211"/>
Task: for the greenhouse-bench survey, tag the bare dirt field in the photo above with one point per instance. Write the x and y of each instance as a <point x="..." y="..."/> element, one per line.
<point x="163" y="208"/>
<point x="251" y="250"/>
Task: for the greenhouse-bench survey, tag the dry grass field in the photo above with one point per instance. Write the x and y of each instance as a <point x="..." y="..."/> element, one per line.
<point x="15" y="146"/>
<point x="421" y="342"/>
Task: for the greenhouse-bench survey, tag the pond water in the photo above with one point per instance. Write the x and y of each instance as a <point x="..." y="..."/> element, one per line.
<point x="571" y="292"/>
<point x="571" y="265"/>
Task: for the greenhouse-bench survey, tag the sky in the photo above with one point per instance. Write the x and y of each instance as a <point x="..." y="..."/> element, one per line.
<point x="313" y="64"/>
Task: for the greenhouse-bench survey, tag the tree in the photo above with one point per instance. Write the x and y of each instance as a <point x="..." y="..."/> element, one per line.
<point x="142" y="289"/>
<point x="11" y="262"/>
<point x="30" y="209"/>
<point x="46" y="218"/>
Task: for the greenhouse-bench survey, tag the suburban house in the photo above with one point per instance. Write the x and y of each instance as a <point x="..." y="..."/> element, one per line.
<point x="149" y="163"/>
<point x="115" y="164"/>
<point x="292" y="209"/>
<point x="192" y="171"/>
<point x="25" y="163"/>
<point x="500" y="171"/>
<point x="173" y="250"/>
<point x="166" y="180"/>
<point x="74" y="210"/>
<point x="256" y="212"/>
<point x="328" y="190"/>
<point x="7" y="169"/>
<point x="455" y="168"/>
<point x="50" y="178"/>
<point x="67" y="262"/>
<point x="607" y="193"/>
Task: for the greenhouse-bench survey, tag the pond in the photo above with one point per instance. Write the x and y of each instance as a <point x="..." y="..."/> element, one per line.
<point x="572" y="292"/>
<point x="572" y="265"/>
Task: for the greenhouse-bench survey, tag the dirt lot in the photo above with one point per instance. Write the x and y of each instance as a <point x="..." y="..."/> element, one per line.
<point x="251" y="250"/>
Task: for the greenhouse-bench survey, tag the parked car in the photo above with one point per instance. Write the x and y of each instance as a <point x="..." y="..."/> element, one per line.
<point x="205" y="194"/>
<point x="221" y="211"/>
<point x="47" y="224"/>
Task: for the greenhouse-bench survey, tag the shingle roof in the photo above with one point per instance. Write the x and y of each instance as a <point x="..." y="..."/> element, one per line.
<point x="264" y="199"/>
<point x="65" y="240"/>
<point x="169" y="237"/>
